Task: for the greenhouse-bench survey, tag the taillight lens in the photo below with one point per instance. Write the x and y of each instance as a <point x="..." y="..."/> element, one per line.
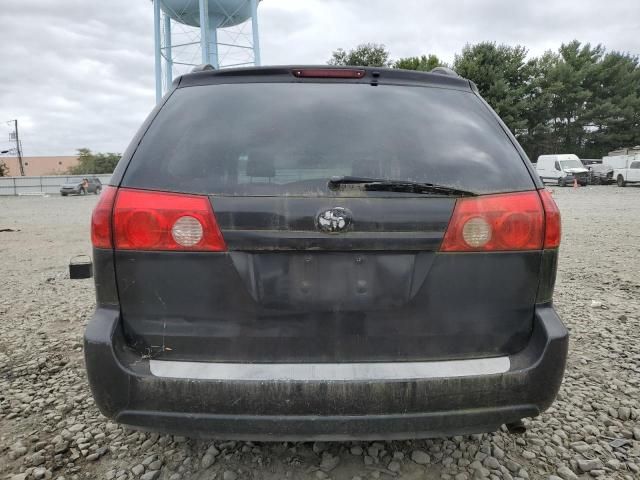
<point x="145" y="220"/>
<point x="513" y="221"/>
<point x="101" y="236"/>
<point x="553" y="229"/>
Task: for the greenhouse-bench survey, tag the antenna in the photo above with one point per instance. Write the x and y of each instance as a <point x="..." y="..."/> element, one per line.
<point x="188" y="33"/>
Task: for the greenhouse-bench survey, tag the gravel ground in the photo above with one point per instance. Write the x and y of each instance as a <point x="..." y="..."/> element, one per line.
<point x="50" y="427"/>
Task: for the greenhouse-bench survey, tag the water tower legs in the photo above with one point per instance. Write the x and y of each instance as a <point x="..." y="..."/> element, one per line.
<point x="208" y="35"/>
<point x="205" y="42"/>
<point x="224" y="40"/>
<point x="158" y="49"/>
<point x="254" y="29"/>
<point x="168" y="58"/>
<point x="213" y="40"/>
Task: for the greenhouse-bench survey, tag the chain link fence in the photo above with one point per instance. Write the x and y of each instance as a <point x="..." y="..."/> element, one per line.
<point x="49" y="184"/>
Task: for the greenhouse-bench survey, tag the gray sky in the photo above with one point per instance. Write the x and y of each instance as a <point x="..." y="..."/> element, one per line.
<point x="79" y="73"/>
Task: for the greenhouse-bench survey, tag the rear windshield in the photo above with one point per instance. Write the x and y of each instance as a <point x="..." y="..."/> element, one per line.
<point x="291" y="138"/>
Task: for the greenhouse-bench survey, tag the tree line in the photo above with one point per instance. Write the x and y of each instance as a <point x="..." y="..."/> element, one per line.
<point x="580" y="99"/>
<point x="96" y="163"/>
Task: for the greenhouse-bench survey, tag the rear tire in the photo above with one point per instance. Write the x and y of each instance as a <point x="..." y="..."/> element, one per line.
<point x="620" y="181"/>
<point x="63" y="194"/>
<point x="97" y="192"/>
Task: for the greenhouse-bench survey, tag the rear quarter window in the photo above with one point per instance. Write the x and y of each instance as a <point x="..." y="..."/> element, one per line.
<point x="290" y="138"/>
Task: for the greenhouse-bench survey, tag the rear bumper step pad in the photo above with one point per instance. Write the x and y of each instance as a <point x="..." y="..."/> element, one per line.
<point x="329" y="372"/>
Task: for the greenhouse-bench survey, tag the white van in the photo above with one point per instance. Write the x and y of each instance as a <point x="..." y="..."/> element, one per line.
<point x="562" y="169"/>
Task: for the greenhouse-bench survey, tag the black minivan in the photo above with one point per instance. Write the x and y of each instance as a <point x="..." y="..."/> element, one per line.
<point x="289" y="253"/>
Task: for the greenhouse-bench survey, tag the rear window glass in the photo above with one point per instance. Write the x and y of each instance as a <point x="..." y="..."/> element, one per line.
<point x="291" y="138"/>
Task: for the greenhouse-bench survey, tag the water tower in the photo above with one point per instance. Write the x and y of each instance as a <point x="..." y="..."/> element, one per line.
<point x="223" y="33"/>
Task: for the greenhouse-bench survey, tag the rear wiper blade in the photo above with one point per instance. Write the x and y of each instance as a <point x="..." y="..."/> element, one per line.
<point x="404" y="186"/>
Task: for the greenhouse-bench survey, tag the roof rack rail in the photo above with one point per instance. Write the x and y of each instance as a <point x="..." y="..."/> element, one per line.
<point x="205" y="67"/>
<point x="445" y="71"/>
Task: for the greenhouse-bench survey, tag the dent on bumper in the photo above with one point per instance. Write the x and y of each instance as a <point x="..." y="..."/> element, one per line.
<point x="400" y="400"/>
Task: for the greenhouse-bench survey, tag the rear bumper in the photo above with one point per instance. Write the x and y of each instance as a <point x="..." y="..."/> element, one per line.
<point x="409" y="400"/>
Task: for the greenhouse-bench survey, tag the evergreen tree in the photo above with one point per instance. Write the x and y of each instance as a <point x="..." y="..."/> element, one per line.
<point x="501" y="74"/>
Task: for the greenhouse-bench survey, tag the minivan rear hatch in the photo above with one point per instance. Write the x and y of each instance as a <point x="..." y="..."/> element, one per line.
<point x="318" y="272"/>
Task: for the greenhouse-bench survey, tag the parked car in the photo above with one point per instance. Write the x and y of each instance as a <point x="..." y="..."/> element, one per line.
<point x="600" y="174"/>
<point x="324" y="253"/>
<point x="82" y="187"/>
<point x="562" y="170"/>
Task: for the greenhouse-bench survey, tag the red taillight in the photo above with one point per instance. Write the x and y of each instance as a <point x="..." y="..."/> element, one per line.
<point x="101" y="219"/>
<point x="145" y="220"/>
<point x="512" y="221"/>
<point x="553" y="228"/>
<point x="328" y="73"/>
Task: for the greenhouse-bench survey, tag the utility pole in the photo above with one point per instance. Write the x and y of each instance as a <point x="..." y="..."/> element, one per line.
<point x="19" y="148"/>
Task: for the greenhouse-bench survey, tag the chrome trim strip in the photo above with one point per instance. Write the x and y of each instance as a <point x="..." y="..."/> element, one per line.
<point x="332" y="372"/>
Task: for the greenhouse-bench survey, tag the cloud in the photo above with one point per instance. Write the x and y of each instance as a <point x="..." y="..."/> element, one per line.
<point x="76" y="73"/>
<point x="79" y="73"/>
